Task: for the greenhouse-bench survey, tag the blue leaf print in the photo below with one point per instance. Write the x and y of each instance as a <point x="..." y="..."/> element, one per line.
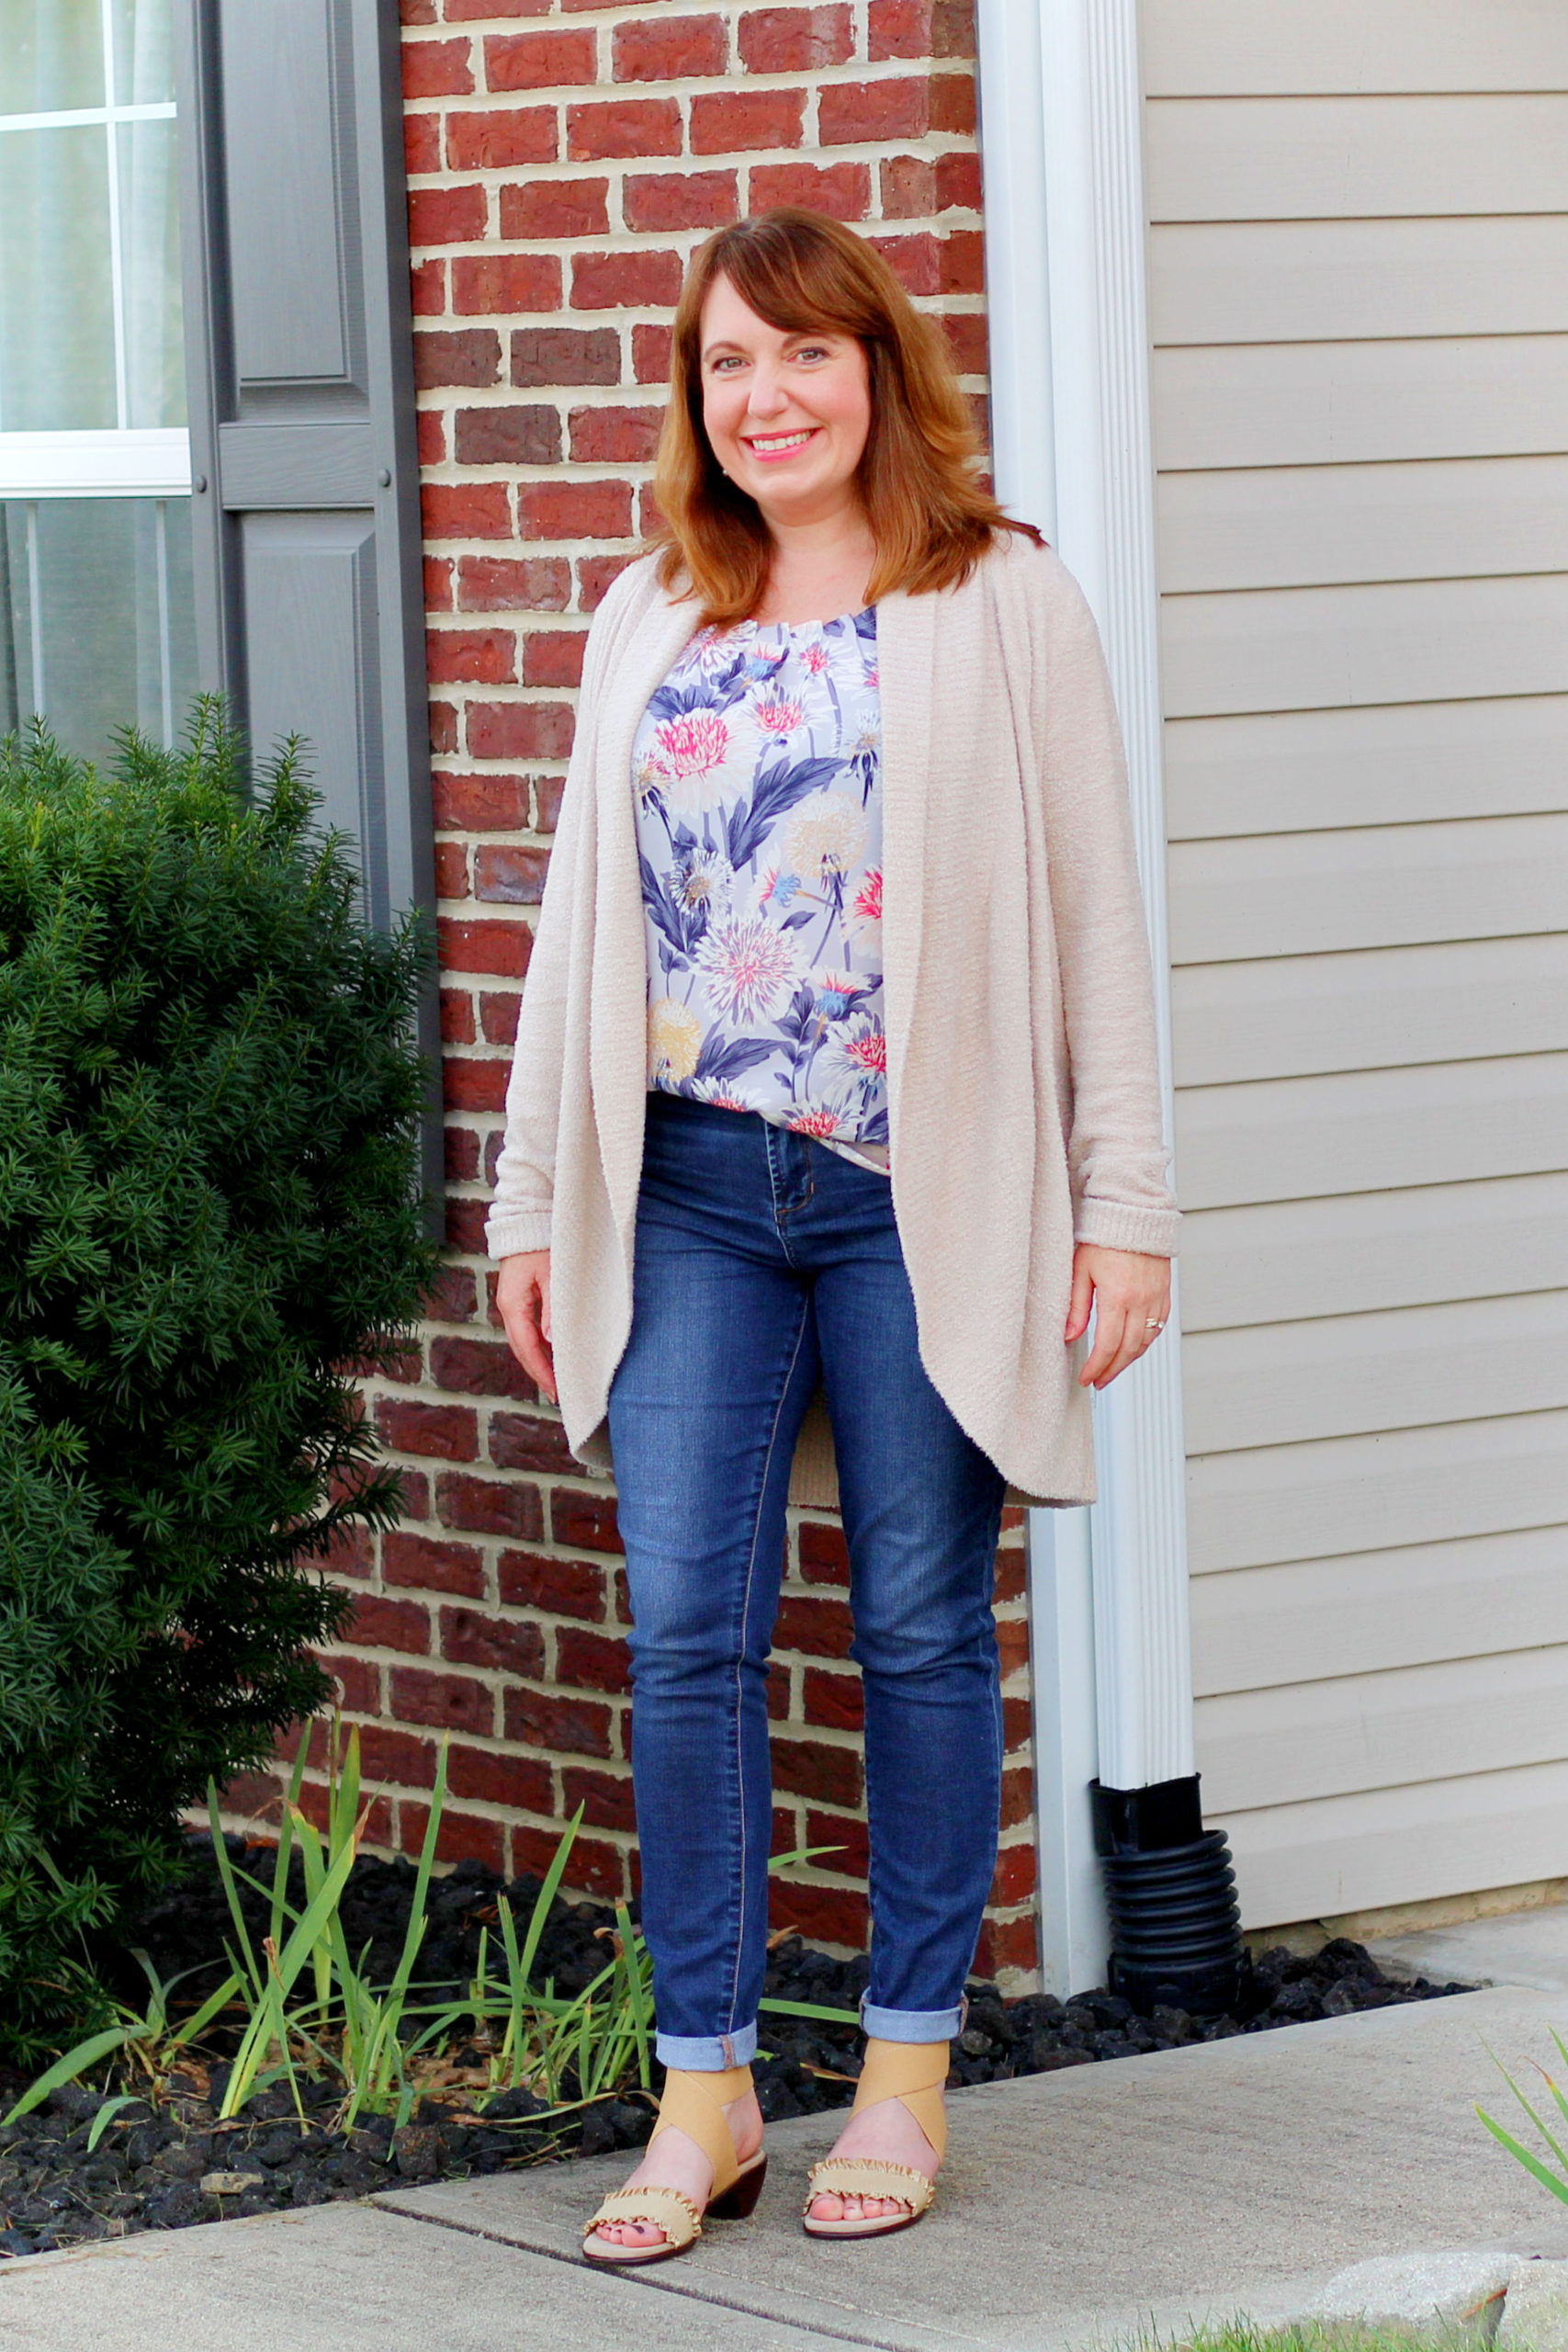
<point x="751" y="822"/>
<point x="724" y="1058"/>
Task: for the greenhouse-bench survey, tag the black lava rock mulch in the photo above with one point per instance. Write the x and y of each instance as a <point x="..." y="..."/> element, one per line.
<point x="166" y="2168"/>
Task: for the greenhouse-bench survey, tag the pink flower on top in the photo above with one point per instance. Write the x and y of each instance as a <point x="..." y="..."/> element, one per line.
<point x="692" y="745"/>
<point x="779" y="717"/>
<point x="814" y="660"/>
<point x="821" y="1123"/>
<point x="868" y="897"/>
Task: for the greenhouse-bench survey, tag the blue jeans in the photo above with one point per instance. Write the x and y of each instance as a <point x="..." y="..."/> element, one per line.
<point x="765" y="1264"/>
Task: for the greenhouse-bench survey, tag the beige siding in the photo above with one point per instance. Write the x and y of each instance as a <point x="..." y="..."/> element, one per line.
<point x="1359" y="292"/>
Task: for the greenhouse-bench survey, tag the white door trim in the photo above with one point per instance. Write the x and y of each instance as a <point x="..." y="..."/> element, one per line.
<point x="1066" y="254"/>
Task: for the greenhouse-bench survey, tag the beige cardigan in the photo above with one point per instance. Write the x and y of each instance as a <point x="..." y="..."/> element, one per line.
<point x="1022" y="1097"/>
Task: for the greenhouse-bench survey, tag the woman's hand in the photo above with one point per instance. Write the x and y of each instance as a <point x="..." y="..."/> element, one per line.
<point x="1131" y="1297"/>
<point x="522" y="1300"/>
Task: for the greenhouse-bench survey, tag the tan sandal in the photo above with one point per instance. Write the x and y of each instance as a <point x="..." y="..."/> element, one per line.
<point x="913" y="2072"/>
<point x="693" y="2104"/>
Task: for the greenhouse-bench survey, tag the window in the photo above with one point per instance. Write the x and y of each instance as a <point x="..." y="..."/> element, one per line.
<point x="96" y="624"/>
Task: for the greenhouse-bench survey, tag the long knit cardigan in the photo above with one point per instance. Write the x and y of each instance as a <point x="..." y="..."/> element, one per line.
<point x="1022" y="1096"/>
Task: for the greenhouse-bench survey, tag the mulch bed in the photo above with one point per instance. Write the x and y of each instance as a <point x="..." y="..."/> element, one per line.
<point x="165" y="2168"/>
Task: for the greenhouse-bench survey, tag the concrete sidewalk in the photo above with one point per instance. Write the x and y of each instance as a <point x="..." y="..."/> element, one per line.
<point x="1076" y="2207"/>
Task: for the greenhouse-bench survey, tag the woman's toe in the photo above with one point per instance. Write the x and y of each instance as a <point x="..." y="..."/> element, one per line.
<point x="827" y="2208"/>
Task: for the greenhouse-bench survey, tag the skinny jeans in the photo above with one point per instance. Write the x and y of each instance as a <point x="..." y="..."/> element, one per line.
<point x="767" y="1265"/>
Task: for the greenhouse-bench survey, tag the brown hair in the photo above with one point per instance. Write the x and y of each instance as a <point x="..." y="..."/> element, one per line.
<point x="931" y="517"/>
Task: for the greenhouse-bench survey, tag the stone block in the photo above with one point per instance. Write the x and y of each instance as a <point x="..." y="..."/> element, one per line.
<point x="1457" y="2290"/>
<point x="1535" y="2316"/>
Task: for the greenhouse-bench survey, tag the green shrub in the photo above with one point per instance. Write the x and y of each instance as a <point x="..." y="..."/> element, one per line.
<point x="209" y="1105"/>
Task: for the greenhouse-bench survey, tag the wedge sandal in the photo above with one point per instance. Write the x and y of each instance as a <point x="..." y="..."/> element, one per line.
<point x="914" y="2073"/>
<point x="693" y="2104"/>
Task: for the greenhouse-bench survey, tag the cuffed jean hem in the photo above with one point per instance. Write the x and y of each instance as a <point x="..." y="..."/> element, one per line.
<point x="912" y="2025"/>
<point x="708" y="2053"/>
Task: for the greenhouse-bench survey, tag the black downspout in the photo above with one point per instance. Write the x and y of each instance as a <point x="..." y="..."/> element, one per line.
<point x="1175" y="1927"/>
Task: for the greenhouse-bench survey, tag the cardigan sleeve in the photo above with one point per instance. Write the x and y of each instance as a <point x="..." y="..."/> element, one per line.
<point x="521" y="1212"/>
<point x="1116" y="1154"/>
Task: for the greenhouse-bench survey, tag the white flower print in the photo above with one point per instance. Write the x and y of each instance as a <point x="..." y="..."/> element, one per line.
<point x="777" y="718"/>
<point x="674" y="1038"/>
<point x="750" y="968"/>
<point x="702" y="879"/>
<point x="825" y="835"/>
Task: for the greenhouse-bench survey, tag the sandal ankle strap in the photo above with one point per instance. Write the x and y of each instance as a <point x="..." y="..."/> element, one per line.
<point x="694" y="2104"/>
<point x="913" y="2072"/>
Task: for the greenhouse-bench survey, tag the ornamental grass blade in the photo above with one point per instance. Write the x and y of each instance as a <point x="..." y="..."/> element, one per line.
<point x="1548" y="2179"/>
<point x="1529" y="2110"/>
<point x="226" y="1873"/>
<point x="75" y="2061"/>
<point x="549" y="1890"/>
<point x="810" y="2009"/>
<point x="106" y="2116"/>
<point x="204" y="2015"/>
<point x="398" y="1990"/>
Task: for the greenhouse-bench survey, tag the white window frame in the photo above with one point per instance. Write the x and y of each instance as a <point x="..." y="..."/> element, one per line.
<point x="1065" y="261"/>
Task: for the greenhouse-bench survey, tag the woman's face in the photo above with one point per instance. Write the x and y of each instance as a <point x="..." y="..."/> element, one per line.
<point x="787" y="414"/>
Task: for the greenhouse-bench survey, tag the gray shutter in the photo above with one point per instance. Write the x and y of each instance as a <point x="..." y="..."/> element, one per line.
<point x="304" y="467"/>
<point x="300" y="357"/>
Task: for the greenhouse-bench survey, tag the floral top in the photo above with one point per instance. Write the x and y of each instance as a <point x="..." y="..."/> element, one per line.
<point x="758" y="773"/>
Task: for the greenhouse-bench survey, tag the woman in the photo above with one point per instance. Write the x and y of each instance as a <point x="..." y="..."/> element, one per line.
<point x="835" y="1072"/>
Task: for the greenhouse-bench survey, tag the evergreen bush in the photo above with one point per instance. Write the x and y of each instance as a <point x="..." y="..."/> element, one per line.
<point x="209" y="1107"/>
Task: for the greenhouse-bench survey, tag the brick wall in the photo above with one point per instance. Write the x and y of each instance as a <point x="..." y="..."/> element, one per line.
<point x="564" y="160"/>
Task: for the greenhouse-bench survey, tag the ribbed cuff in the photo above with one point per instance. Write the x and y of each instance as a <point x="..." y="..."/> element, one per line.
<point x="708" y="2053"/>
<point x="509" y="1231"/>
<point x="1116" y="1225"/>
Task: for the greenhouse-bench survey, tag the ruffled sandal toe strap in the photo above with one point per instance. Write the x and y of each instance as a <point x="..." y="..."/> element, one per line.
<point x="661" y="2209"/>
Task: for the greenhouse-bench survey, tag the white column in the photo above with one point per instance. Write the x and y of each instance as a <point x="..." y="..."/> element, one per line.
<point x="1066" y="244"/>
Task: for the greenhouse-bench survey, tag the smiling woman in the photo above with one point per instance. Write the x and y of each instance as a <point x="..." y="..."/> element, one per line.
<point x="869" y="1107"/>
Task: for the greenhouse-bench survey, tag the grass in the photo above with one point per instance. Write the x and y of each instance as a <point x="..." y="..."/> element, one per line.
<point x="303" y="2007"/>
<point x="1242" y="2334"/>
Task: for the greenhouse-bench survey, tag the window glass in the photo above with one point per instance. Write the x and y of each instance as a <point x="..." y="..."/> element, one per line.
<point x="97" y="618"/>
<point x="144" y="39"/>
<point x="51" y="55"/>
<point x="57" y="329"/>
<point x="150" y="273"/>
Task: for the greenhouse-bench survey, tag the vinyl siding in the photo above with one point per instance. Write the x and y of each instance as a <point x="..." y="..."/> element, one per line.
<point x="1358" y="295"/>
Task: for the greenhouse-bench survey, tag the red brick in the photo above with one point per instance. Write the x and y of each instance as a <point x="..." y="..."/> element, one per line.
<point x="548" y="792"/>
<point x="596" y="1868"/>
<point x="848" y="1834"/>
<point x="483" y="656"/>
<point x="812" y="1768"/>
<point x="729" y="122"/>
<point x="553" y="657"/>
<point x="921" y="28"/>
<point x="909" y="187"/>
<point x="488" y="1506"/>
<point x="451" y="870"/>
<point x="962" y="262"/>
<point x="586" y="1521"/>
<point x="498" y="584"/>
<point x="965" y="333"/>
<point x="462" y="1151"/>
<point x="386" y="1754"/>
<point x="1017" y="1798"/>
<point x="501" y="947"/>
<point x="834" y="1701"/>
<point x="663" y="49"/>
<point x="778" y="1693"/>
<point x="612" y="437"/>
<point x="663" y="200"/>
<point x="1017" y="1874"/>
<point x="446" y="216"/>
<point x="469" y="1638"/>
<point x="574" y="509"/>
<point x="556" y="356"/>
<point x="842" y="190"/>
<point x="443" y="727"/>
<point x="416" y="11"/>
<point x="796" y="41"/>
<point x="421" y="143"/>
<point x="596" y="575"/>
<point x="519" y="435"/>
<point x="651" y="347"/>
<point x="471" y="1085"/>
<point x="487" y="1775"/>
<point x="461" y="1837"/>
<point x="605" y="1797"/>
<point x="456" y="1701"/>
<point x="358" y="1682"/>
<point x="1012" y="1644"/>
<point x="256" y="1797"/>
<point x="472" y="356"/>
<point x="592" y="1661"/>
<point x="452" y="1297"/>
<point x="514" y="876"/>
<point x="457" y="1024"/>
<point x="1013" y="1575"/>
<point x="437" y="69"/>
<point x="849" y="111"/>
<point x="469" y="509"/>
<point x="824" y="1554"/>
<point x="352" y="1553"/>
<point x="316" y="1805"/>
<point x="1007" y="1944"/>
<point x="550" y="61"/>
<point x="1018" y="1727"/>
<point x="429" y="1566"/>
<point x="556" y="209"/>
<point x="634" y="127"/>
<point x="505" y="282"/>
<point x="520" y="730"/>
<point x="446" y="1432"/>
<point x="952" y="104"/>
<point x="625" y="281"/>
<point x="498" y="1015"/>
<point x="462" y="12"/>
<point x="915" y="261"/>
<point x="958" y="185"/>
<point x="430" y="432"/>
<point x="482" y="803"/>
<point x="558" y="1588"/>
<point x="427" y="287"/>
<point x="570" y="1726"/>
<point x="649" y="521"/>
<point x="477" y="1368"/>
<point x="488" y="143"/>
<point x="813" y="1626"/>
<point x="465" y="1226"/>
<point x="824" y="1915"/>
